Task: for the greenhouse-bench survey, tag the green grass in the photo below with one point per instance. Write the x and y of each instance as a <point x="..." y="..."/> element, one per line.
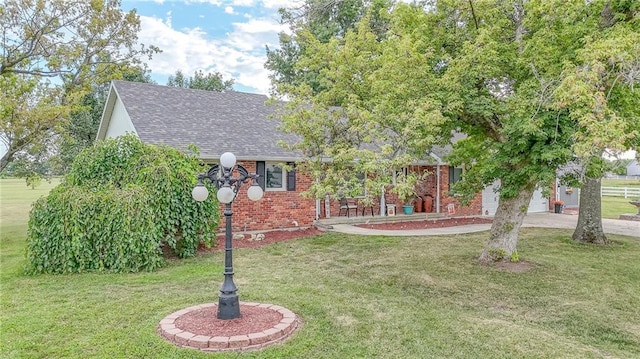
<point x="613" y="207"/>
<point x="610" y="182"/>
<point x="17" y="197"/>
<point x="359" y="297"/>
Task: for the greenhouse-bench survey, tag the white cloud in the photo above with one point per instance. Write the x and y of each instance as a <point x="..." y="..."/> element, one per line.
<point x="167" y="21"/>
<point x="268" y="4"/>
<point x="254" y="35"/>
<point x="212" y="2"/>
<point x="239" y="55"/>
<point x="276" y="4"/>
<point x="229" y="10"/>
<point x="256" y="26"/>
<point x="245" y="3"/>
<point x="613" y="155"/>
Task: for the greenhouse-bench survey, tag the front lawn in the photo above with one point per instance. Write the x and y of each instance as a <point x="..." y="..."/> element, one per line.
<point x="359" y="297"/>
<point x="613" y="207"/>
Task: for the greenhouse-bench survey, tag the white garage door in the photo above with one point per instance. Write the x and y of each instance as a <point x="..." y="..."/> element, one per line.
<point x="490" y="199"/>
<point x="538" y="203"/>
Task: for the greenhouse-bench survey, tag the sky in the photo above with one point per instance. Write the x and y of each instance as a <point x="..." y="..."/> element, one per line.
<point x="225" y="36"/>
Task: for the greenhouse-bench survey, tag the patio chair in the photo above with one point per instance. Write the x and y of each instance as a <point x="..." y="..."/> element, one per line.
<point x="366" y="203"/>
<point x="347" y="204"/>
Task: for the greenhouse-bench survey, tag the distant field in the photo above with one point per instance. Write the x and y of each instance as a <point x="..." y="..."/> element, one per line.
<point x="15" y="193"/>
<point x="609" y="182"/>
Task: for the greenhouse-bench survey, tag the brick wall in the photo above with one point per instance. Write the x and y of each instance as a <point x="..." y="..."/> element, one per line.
<point x="276" y="210"/>
<point x="288" y="209"/>
<point x="474" y="208"/>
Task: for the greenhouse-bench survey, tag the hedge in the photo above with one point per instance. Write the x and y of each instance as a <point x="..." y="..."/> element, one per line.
<point x="120" y="204"/>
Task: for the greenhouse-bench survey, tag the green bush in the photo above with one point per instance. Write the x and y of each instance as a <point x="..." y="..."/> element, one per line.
<point x="120" y="203"/>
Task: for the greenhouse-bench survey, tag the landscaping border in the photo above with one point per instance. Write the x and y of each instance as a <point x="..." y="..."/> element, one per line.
<point x="242" y="341"/>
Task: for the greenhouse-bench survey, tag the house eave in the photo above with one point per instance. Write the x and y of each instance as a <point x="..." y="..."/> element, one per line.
<point x="215" y="158"/>
<point x="107" y="113"/>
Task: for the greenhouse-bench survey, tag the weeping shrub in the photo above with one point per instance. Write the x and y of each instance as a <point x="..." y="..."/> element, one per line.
<point x="120" y="203"/>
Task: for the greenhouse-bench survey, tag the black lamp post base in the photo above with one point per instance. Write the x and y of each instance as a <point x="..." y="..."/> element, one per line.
<point x="228" y="307"/>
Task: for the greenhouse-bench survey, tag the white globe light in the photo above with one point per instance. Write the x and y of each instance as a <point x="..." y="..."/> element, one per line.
<point x="228" y="160"/>
<point x="200" y="193"/>
<point x="225" y="195"/>
<point x="255" y="193"/>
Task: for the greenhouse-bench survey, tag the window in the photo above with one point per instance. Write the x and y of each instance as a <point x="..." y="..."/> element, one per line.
<point x="274" y="178"/>
<point x="404" y="172"/>
<point x="455" y="175"/>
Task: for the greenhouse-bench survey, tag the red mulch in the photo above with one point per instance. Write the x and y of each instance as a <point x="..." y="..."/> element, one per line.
<point x="430" y="223"/>
<point x="205" y="322"/>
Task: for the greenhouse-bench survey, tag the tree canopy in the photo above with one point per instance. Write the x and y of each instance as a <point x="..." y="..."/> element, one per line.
<point x="495" y="71"/>
<point x="52" y="54"/>
<point x="597" y="86"/>
<point x="323" y="19"/>
<point x="201" y="81"/>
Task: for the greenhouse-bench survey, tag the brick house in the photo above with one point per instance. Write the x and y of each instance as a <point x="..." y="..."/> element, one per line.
<point x="241" y="123"/>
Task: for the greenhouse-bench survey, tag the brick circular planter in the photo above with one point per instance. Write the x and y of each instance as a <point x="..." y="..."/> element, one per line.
<point x="169" y="329"/>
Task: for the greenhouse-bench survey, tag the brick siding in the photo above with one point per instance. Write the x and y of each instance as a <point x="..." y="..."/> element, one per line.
<point x="276" y="210"/>
<point x="289" y="209"/>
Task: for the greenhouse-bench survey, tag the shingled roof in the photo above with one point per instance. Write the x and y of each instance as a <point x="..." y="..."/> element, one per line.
<point x="215" y="122"/>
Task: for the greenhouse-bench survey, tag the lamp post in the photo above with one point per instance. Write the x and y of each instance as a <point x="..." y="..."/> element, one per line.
<point x="222" y="177"/>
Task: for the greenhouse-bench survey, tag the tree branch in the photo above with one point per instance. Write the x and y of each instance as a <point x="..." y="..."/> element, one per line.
<point x="473" y="14"/>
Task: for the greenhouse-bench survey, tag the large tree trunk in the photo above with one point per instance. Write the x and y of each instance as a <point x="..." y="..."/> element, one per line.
<point x="589" y="228"/>
<point x="504" y="230"/>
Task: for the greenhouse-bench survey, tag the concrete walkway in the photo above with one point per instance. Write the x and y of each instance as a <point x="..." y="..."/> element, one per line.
<point x="544" y="220"/>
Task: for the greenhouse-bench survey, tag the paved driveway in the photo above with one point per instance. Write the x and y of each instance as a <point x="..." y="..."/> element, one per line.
<point x="545" y="220"/>
<point x="551" y="220"/>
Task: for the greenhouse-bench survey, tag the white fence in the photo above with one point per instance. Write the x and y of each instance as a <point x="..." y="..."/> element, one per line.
<point x="618" y="177"/>
<point x="626" y="192"/>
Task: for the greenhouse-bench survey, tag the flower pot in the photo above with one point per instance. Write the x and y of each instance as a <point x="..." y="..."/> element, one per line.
<point x="417" y="205"/>
<point x="407" y="209"/>
<point x="558" y="208"/>
<point x="428" y="204"/>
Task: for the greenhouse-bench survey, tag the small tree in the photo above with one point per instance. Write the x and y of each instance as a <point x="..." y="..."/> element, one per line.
<point x="33" y="180"/>
<point x="120" y="203"/>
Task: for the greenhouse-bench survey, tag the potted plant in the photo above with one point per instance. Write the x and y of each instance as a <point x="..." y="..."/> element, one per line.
<point x="405" y="189"/>
<point x="558" y="205"/>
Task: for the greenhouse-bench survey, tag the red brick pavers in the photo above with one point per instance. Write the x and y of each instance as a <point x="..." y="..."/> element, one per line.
<point x="241" y="341"/>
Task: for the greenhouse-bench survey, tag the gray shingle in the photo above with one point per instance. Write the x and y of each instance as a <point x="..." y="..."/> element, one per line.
<point x="215" y="122"/>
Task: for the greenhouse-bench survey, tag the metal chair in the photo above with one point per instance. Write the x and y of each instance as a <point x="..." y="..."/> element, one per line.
<point x="347" y="204"/>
